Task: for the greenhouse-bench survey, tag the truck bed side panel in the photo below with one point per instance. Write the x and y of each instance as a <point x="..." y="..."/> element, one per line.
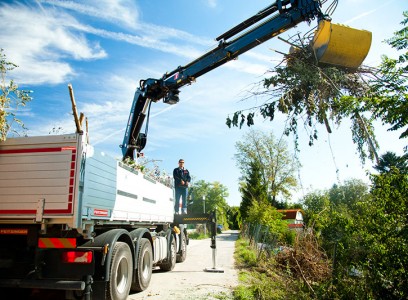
<point x="32" y="169"/>
<point x="115" y="192"/>
<point x="99" y="184"/>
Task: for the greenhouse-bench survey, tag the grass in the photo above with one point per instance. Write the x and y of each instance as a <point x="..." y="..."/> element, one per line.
<point x="260" y="279"/>
<point x="197" y="236"/>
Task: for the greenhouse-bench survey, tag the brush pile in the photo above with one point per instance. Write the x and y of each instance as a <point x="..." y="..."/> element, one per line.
<point x="305" y="261"/>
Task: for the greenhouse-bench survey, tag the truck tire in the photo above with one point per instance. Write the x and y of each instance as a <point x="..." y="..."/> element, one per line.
<point x="181" y="256"/>
<point x="120" y="273"/>
<point x="169" y="264"/>
<point x="144" y="266"/>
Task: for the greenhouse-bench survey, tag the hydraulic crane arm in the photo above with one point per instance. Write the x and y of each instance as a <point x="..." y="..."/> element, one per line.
<point x="267" y="23"/>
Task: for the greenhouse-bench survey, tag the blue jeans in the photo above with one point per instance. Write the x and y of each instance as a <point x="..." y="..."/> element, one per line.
<point x="180" y="192"/>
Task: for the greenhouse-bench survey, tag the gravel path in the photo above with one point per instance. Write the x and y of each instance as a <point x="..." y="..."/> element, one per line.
<point x="188" y="280"/>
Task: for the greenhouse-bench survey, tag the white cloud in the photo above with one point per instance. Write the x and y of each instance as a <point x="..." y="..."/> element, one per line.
<point x="368" y="12"/>
<point x="40" y="38"/>
<point x="123" y="12"/>
<point x="148" y="41"/>
<point x="212" y="3"/>
<point x="38" y="41"/>
<point x="33" y="71"/>
<point x="248" y="67"/>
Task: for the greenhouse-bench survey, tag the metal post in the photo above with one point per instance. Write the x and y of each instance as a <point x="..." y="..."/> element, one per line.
<point x="213" y="222"/>
<point x="205" y="225"/>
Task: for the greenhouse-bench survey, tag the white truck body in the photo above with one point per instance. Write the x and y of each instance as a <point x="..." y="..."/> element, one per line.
<point x="63" y="180"/>
<point x="71" y="218"/>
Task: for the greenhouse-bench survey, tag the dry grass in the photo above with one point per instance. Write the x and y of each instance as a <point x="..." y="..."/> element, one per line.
<point x="306" y="260"/>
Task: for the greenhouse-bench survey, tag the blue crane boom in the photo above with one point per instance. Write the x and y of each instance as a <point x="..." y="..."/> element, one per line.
<point x="266" y="24"/>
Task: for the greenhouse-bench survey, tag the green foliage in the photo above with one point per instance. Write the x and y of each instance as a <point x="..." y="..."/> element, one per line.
<point x="311" y="94"/>
<point x="255" y="285"/>
<point x="316" y="205"/>
<point x="252" y="189"/>
<point x="198" y="236"/>
<point x="262" y="278"/>
<point x="214" y="194"/>
<point x="349" y="193"/>
<point x="385" y="233"/>
<point x="288" y="237"/>
<point x="245" y="256"/>
<point x="265" y="214"/>
<point x="11" y="99"/>
<point x="366" y="235"/>
<point x="389" y="160"/>
<point x="388" y="99"/>
<point x="277" y="167"/>
<point x="234" y="217"/>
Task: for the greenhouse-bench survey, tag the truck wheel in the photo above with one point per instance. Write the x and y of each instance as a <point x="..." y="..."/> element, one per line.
<point x="144" y="266"/>
<point x="181" y="256"/>
<point x="120" y="274"/>
<point x="169" y="264"/>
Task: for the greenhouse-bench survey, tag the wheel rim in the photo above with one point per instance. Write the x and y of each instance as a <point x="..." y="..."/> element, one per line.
<point x="122" y="276"/>
<point x="173" y="251"/>
<point x="184" y="245"/>
<point x="146" y="265"/>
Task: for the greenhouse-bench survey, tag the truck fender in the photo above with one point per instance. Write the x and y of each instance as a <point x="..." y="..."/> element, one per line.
<point x="136" y="236"/>
<point x="110" y="237"/>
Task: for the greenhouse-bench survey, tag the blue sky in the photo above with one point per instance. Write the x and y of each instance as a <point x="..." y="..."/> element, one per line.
<point x="103" y="48"/>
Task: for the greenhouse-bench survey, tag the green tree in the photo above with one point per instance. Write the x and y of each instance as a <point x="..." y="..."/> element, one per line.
<point x="365" y="233"/>
<point x="212" y="195"/>
<point x="263" y="213"/>
<point x="388" y="98"/>
<point x="277" y="165"/>
<point x="350" y="192"/>
<point x="253" y="189"/>
<point x="316" y="205"/>
<point x="383" y="230"/>
<point x="234" y="217"/>
<point x="389" y="160"/>
<point x="11" y="99"/>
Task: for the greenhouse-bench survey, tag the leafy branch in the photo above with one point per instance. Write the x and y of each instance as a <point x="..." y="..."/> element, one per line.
<point x="11" y="99"/>
<point x="312" y="94"/>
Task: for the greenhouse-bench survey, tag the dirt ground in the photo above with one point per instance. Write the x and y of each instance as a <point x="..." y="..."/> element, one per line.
<point x="188" y="280"/>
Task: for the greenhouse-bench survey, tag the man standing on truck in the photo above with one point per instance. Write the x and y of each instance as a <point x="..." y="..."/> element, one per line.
<point x="181" y="181"/>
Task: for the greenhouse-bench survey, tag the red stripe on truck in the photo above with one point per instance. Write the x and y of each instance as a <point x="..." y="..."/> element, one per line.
<point x="36" y="150"/>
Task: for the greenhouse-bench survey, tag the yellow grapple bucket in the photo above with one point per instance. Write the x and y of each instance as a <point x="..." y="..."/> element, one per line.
<point x="341" y="45"/>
